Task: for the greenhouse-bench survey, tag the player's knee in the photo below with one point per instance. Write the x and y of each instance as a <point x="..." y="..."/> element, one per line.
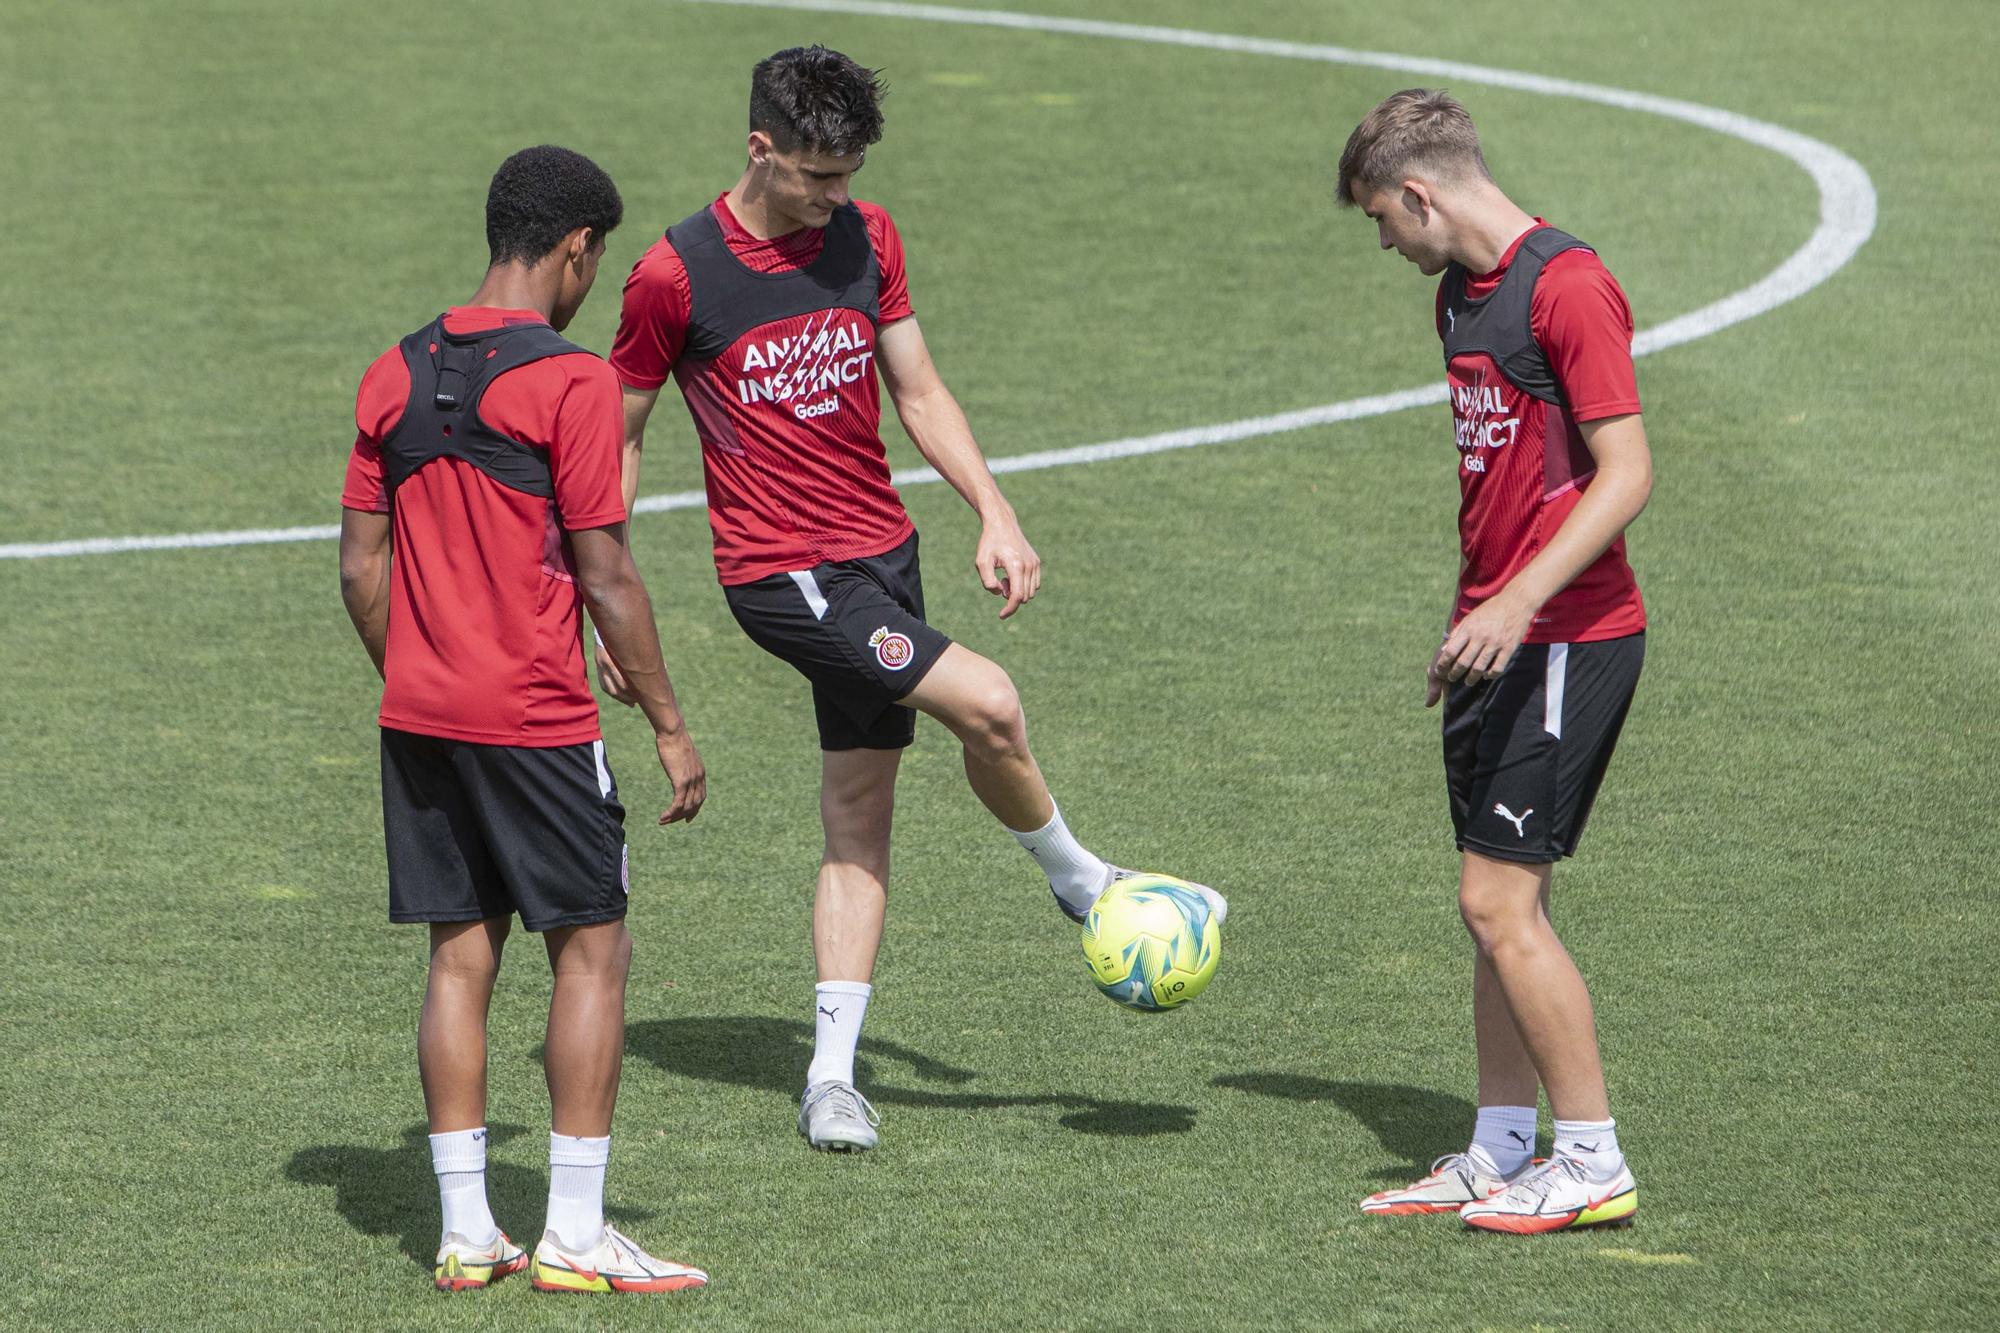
<point x="471" y="955"/>
<point x="465" y="967"/>
<point x="995" y="728"/>
<point x="857" y="812"/>
<point x="602" y="951"/>
<point x="1493" y="920"/>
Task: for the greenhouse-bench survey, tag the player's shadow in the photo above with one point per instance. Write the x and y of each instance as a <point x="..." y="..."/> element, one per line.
<point x="392" y="1191"/>
<point x="771" y="1054"/>
<point x="1415" y="1124"/>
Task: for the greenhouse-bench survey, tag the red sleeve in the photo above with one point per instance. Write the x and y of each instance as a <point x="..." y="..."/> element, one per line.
<point x="652" y="327"/>
<point x="1581" y="319"/>
<point x="589" y="446"/>
<point x="1437" y="312"/>
<point x="893" y="301"/>
<point x="378" y="406"/>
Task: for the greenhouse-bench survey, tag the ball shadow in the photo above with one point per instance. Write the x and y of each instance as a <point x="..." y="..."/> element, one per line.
<point x="771" y="1055"/>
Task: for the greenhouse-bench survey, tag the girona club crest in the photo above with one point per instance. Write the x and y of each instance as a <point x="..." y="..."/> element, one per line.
<point x="892" y="650"/>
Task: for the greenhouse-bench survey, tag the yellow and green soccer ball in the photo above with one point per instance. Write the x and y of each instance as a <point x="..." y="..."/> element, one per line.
<point x="1151" y="943"/>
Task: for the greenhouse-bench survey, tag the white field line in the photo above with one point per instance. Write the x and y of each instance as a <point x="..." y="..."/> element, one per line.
<point x="1846" y="221"/>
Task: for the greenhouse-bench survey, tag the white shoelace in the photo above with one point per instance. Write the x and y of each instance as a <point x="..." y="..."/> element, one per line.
<point x="1542" y="1179"/>
<point x="846" y="1099"/>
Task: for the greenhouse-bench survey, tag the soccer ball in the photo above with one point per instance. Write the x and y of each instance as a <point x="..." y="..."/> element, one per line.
<point x="1151" y="943"/>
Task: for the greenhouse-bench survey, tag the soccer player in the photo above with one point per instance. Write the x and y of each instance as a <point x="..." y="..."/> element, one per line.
<point x="773" y="309"/>
<point x="1543" y="645"/>
<point x="481" y="509"/>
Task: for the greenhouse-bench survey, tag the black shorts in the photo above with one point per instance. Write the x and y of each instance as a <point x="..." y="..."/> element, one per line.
<point x="1524" y="755"/>
<point x="855" y="629"/>
<point x="478" y="831"/>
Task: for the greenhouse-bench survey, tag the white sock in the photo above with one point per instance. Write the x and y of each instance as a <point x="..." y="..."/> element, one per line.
<point x="1593" y="1143"/>
<point x="576" y="1190"/>
<point x="1503" y="1139"/>
<point x="459" y="1159"/>
<point x="840" y="1006"/>
<point x="1076" y="873"/>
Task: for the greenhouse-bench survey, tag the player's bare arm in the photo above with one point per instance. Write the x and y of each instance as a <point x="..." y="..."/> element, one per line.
<point x="937" y="426"/>
<point x="364" y="578"/>
<point x="1482" y="644"/>
<point x="638" y="407"/>
<point x="623" y="615"/>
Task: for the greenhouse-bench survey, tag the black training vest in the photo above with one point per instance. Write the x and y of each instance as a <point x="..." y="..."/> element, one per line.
<point x="729" y="299"/>
<point x="449" y="374"/>
<point x="1498" y="323"/>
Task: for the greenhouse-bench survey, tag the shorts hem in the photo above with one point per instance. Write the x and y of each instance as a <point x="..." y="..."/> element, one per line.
<point x="421" y="918"/>
<point x="924" y="669"/>
<point x="1515" y="855"/>
<point x="845" y="746"/>
<point x="573" y="919"/>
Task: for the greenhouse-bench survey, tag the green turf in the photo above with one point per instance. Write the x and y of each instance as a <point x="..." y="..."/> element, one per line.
<point x="215" y="215"/>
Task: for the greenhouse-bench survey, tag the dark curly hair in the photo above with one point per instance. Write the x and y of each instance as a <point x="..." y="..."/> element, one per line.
<point x="541" y="195"/>
<point x="810" y="97"/>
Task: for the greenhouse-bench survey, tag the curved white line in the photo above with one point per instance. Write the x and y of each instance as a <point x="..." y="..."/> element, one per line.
<point x="1846" y="221"/>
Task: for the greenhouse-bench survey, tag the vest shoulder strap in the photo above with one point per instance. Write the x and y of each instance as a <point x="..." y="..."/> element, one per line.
<point x="449" y="376"/>
<point x="728" y="300"/>
<point x="1500" y="324"/>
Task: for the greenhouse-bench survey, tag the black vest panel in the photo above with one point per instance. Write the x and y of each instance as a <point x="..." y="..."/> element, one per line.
<point x="1498" y="323"/>
<point x="730" y="300"/>
<point x="449" y="374"/>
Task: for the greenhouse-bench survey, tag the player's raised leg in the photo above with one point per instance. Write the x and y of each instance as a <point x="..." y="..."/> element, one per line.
<point x="857" y="803"/>
<point x="451" y="1059"/>
<point x="976" y="700"/>
<point x="578" y="1252"/>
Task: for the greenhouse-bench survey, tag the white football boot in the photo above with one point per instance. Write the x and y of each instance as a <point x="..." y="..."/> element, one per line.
<point x="1455" y="1180"/>
<point x="614" y="1264"/>
<point x="834" y="1117"/>
<point x="463" y="1266"/>
<point x="1556" y="1196"/>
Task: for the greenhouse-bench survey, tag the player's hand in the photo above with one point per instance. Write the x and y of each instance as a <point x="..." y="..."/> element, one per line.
<point x="611" y="680"/>
<point x="1480" y="646"/>
<point x="1004" y="549"/>
<point x="1434" y="682"/>
<point x="685" y="772"/>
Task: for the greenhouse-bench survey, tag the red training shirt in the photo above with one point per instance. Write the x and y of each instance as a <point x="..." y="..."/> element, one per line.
<point x="1522" y="462"/>
<point x="792" y="482"/>
<point x="484" y="625"/>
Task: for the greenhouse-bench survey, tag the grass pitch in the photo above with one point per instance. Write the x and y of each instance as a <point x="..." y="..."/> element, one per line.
<point x="217" y="213"/>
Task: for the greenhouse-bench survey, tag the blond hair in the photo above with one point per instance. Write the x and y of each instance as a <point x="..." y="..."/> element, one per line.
<point x="1418" y="130"/>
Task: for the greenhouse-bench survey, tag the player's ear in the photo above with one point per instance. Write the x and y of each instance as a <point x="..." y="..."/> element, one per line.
<point x="761" y="147"/>
<point x="1417" y="199"/>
